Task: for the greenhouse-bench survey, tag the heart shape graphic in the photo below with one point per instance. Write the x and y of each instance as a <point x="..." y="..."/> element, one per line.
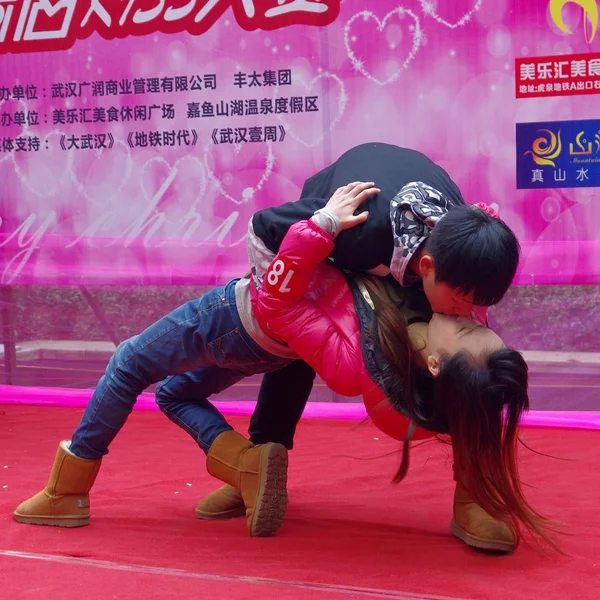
<point x="108" y="155"/>
<point x="171" y="175"/>
<point x="430" y="10"/>
<point x="341" y="108"/>
<point x="47" y="191"/>
<point x="417" y="38"/>
<point x="249" y="191"/>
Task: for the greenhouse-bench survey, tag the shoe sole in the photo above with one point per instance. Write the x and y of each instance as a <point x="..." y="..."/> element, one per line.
<point x="480" y="543"/>
<point x="271" y="499"/>
<point x="52" y="521"/>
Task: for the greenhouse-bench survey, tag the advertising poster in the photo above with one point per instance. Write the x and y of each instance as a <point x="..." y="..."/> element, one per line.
<point x="137" y="137"/>
<point x="559" y="154"/>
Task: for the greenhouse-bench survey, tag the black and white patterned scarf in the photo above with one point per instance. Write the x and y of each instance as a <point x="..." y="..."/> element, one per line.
<point x="414" y="212"/>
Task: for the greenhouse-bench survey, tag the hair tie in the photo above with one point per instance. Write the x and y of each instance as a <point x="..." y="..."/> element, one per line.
<point x="488" y="210"/>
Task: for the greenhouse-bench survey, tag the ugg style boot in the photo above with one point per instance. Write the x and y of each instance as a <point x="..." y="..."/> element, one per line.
<point x="224" y="503"/>
<point x="475" y="527"/>
<point x="259" y="473"/>
<point x="65" y="501"/>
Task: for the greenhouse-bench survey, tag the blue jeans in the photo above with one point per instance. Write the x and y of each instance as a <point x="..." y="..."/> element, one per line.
<point x="197" y="350"/>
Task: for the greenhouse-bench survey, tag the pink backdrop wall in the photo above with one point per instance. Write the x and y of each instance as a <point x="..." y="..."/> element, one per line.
<point x="117" y="168"/>
<point x="436" y="76"/>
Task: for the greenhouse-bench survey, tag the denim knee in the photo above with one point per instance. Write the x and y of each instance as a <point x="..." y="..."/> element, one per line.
<point x="119" y="373"/>
<point x="161" y="397"/>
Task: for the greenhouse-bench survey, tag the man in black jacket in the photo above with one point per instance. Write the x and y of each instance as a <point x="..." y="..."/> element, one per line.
<point x="419" y="231"/>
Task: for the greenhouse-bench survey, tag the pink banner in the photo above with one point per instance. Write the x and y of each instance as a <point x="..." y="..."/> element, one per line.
<point x="137" y="138"/>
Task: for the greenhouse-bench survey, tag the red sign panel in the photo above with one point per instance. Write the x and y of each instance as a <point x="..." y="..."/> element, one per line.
<point x="557" y="75"/>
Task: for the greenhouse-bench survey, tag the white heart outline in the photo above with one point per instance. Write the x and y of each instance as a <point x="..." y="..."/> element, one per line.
<point x="219" y="184"/>
<point x="343" y="101"/>
<point x="367" y="14"/>
<point x="99" y="152"/>
<point x="24" y="128"/>
<point x="174" y="167"/>
<point x="25" y="180"/>
<point x="430" y="10"/>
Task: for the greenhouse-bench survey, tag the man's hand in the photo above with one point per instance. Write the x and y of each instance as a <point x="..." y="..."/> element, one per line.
<point x="346" y="200"/>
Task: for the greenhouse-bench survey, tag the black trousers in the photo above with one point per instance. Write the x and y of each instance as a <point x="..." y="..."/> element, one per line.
<point x="281" y="401"/>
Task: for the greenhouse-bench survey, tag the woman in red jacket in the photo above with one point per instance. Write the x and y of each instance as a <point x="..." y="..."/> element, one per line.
<point x="444" y="375"/>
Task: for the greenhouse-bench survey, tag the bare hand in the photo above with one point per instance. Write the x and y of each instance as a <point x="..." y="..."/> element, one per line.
<point x="347" y="199"/>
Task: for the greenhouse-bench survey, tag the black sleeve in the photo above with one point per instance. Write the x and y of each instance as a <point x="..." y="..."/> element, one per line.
<point x="368" y="245"/>
<point x="357" y="249"/>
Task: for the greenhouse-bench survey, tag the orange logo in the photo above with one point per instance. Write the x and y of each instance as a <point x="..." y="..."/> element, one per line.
<point x="545" y="148"/>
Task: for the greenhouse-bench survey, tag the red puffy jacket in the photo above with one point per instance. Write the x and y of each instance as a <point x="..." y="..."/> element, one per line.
<point x="308" y="304"/>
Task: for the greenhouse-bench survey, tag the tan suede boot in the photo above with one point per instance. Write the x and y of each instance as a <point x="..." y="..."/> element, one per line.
<point x="477" y="528"/>
<point x="473" y="525"/>
<point x="224" y="503"/>
<point x="259" y="473"/>
<point x="65" y="501"/>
